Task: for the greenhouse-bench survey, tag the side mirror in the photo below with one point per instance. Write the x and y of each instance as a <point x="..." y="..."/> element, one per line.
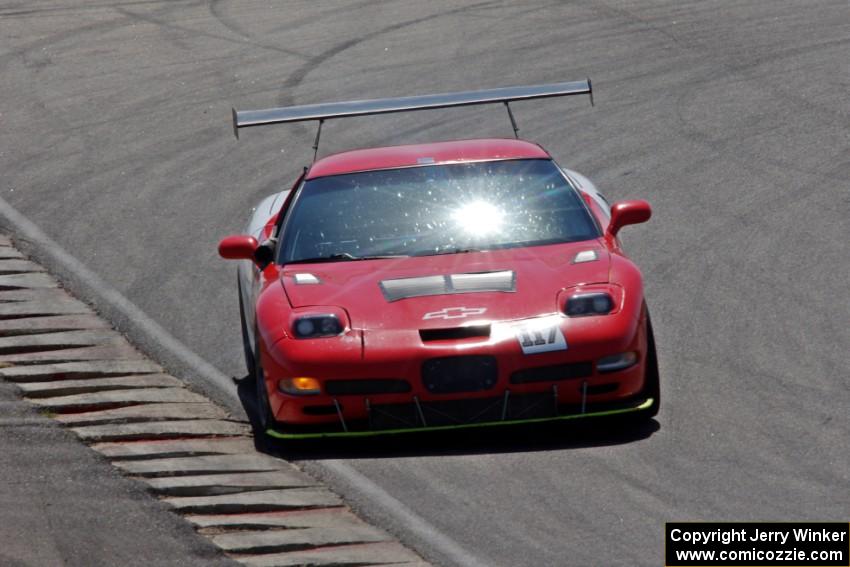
<point x="628" y="212"/>
<point x="239" y="247"/>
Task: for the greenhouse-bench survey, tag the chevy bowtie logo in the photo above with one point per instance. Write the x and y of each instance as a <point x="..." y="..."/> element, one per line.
<point x="455" y="313"/>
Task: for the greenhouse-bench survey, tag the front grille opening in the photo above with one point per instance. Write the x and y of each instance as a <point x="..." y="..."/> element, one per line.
<point x="602" y="388"/>
<point x="552" y="373"/>
<point x="320" y="410"/>
<point x="452" y="374"/>
<point x="366" y="387"/>
<point x="455" y="333"/>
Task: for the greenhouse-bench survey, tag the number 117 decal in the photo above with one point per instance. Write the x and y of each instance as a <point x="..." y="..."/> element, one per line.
<point x="540" y="336"/>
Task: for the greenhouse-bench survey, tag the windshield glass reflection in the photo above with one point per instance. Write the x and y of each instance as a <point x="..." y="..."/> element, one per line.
<point x="435" y="209"/>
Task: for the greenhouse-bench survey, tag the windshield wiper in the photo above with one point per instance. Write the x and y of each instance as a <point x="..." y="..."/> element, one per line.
<point x="343" y="257"/>
<point x="450" y="251"/>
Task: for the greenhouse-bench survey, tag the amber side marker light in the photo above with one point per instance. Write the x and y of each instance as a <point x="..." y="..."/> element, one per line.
<point x="300" y="386"/>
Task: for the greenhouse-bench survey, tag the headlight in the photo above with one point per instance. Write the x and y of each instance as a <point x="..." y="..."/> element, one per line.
<point x="315" y="326"/>
<point x="616" y="362"/>
<point x="584" y="304"/>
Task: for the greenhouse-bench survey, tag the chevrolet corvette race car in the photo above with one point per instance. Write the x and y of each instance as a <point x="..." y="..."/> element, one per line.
<point x="442" y="285"/>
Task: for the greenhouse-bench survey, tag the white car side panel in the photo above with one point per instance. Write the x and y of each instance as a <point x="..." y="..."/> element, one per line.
<point x="586" y="186"/>
<point x="260" y="215"/>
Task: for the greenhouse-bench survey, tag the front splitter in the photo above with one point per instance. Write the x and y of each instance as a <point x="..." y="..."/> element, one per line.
<point x="644" y="405"/>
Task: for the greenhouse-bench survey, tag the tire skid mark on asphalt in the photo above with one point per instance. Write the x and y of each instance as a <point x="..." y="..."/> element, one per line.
<point x="46" y="11"/>
<point x="286" y="98"/>
<point x="214" y="7"/>
<point x="59" y="37"/>
<point x="84" y="141"/>
<point x="173" y="30"/>
<point x="191" y="453"/>
<point x="232" y="26"/>
<point x="745" y="74"/>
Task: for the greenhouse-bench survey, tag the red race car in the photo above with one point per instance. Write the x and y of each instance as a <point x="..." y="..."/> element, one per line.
<point x="445" y="285"/>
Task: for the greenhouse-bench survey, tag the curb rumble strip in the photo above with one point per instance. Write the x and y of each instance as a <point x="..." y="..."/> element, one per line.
<point x="193" y="456"/>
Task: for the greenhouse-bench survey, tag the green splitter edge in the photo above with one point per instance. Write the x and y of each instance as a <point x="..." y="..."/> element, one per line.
<point x="337" y="434"/>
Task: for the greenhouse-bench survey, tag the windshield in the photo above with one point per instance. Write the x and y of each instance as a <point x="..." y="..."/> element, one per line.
<point x="435" y="209"/>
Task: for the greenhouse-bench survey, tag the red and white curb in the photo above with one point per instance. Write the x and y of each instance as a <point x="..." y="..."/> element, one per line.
<point x="192" y="455"/>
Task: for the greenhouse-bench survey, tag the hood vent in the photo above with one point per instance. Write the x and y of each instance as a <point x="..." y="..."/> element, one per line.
<point x="455" y="333"/>
<point x="450" y="284"/>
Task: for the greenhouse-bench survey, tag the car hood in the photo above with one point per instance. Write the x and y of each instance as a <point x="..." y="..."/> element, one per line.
<point x="462" y="288"/>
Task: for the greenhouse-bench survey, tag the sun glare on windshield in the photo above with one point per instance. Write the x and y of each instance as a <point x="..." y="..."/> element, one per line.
<point x="478" y="218"/>
<point x="435" y="209"/>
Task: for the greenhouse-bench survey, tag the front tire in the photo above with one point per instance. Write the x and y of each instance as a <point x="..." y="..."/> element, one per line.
<point x="250" y="362"/>
<point x="265" y="418"/>
<point x="652" y="381"/>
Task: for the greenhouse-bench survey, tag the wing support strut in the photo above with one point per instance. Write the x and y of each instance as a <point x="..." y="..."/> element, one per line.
<point x="513" y="122"/>
<point x="316" y="143"/>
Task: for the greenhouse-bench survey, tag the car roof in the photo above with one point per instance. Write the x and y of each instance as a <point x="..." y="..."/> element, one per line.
<point x="425" y="154"/>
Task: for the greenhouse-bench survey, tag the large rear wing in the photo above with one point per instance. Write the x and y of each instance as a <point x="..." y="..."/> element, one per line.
<point x="327" y="111"/>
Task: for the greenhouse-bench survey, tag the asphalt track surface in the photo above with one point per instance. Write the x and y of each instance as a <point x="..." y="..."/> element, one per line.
<point x="731" y="118"/>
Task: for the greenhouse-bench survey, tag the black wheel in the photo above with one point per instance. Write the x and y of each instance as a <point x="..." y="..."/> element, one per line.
<point x="652" y="384"/>
<point x="264" y="413"/>
<point x="246" y="343"/>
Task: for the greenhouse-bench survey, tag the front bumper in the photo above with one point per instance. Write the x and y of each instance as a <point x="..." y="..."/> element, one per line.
<point x="578" y="391"/>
